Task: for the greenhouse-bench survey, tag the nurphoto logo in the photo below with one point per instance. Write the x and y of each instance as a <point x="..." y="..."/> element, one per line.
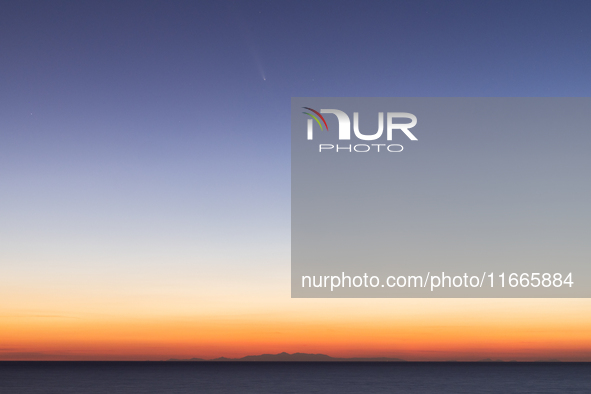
<point x="344" y="132"/>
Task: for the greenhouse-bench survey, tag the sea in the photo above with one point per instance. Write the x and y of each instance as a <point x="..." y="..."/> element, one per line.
<point x="293" y="377"/>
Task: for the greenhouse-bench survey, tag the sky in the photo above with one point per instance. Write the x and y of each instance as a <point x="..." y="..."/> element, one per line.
<point x="145" y="172"/>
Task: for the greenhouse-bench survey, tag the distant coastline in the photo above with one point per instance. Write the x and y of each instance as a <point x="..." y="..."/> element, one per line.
<point x="303" y="357"/>
<point x="307" y="357"/>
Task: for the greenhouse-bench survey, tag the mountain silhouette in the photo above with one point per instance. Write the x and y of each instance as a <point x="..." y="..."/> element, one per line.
<point x="305" y="357"/>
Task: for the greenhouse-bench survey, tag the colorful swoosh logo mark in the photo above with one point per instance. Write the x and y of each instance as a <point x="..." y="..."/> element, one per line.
<point x="315" y="118"/>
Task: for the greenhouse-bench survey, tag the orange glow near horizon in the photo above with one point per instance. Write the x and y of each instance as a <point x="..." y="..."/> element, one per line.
<point x="415" y="330"/>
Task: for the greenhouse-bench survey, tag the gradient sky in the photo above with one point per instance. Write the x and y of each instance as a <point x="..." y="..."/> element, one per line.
<point x="145" y="171"/>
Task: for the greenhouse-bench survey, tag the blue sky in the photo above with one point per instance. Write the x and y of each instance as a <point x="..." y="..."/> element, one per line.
<point x="154" y="136"/>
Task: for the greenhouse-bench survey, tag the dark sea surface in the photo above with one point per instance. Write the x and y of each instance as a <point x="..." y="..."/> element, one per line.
<point x="293" y="377"/>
